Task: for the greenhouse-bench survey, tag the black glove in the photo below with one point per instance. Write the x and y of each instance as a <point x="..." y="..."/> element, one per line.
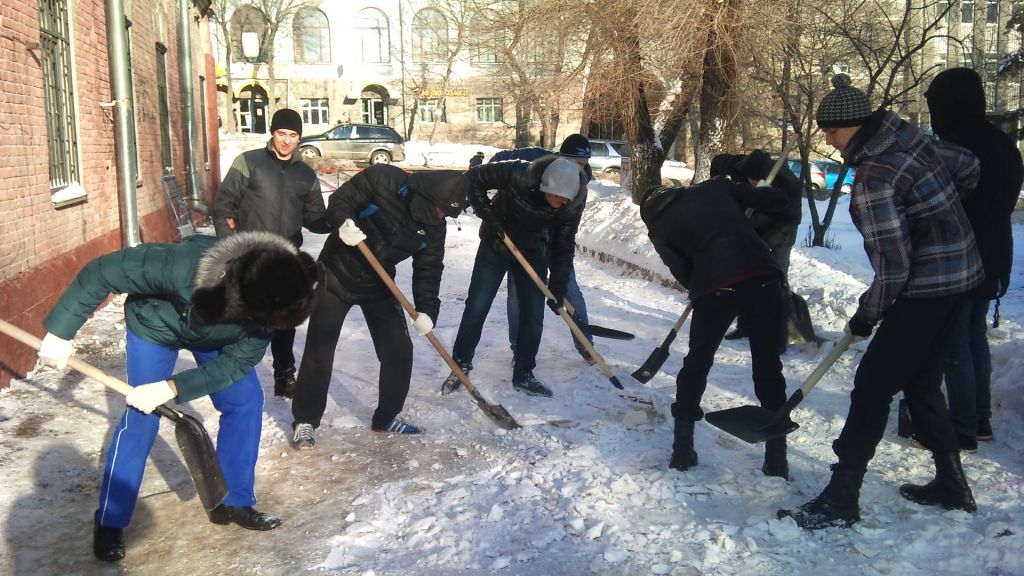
<point x="860" y="328"/>
<point x="498" y="229"/>
<point x="555" y="306"/>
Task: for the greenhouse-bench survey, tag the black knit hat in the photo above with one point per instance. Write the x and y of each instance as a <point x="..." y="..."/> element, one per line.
<point x="843" y="107"/>
<point x="286" y="119"/>
<point x="575" y="146"/>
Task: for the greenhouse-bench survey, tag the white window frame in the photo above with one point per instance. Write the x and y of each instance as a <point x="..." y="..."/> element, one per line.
<point x="489" y="104"/>
<point x="321" y="106"/>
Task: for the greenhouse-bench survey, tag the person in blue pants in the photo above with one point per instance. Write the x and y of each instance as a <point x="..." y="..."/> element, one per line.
<point x="220" y="300"/>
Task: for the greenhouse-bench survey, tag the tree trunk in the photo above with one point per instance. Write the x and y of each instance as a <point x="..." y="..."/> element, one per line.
<point x="271" y="78"/>
<point x="230" y="118"/>
<point x="718" y="87"/>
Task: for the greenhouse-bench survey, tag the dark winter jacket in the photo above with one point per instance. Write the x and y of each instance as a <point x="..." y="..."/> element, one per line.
<point x="958" y="116"/>
<point x="779" y="228"/>
<point x="525" y="154"/>
<point x="261" y="196"/>
<point x="702" y="234"/>
<point x="521" y="210"/>
<point x="397" y="212"/>
<point x="159" y="280"/>
<point x="905" y="204"/>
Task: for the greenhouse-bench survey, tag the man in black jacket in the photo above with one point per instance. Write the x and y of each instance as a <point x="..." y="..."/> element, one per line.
<point x="398" y="215"/>
<point x="534" y="200"/>
<point x="956" y="101"/>
<point x="702" y="235"/>
<point x="271" y="190"/>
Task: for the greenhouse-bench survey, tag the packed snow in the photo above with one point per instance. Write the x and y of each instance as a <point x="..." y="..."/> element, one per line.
<point x="582" y="488"/>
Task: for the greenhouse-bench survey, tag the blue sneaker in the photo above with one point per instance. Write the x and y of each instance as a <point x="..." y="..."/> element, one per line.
<point x="303" y="439"/>
<point x="399" y="426"/>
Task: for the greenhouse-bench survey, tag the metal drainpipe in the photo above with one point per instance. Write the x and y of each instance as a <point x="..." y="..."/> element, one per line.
<point x="185" y="72"/>
<point x="121" y="89"/>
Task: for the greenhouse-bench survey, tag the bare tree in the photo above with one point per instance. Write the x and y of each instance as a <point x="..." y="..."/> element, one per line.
<point x="221" y="11"/>
<point x="432" y="28"/>
<point x="276" y="14"/>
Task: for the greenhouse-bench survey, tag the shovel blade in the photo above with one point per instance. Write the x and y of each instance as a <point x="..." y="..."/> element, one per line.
<point x="201" y="460"/>
<point x="650" y="368"/>
<point x="610" y="333"/>
<point x="751" y="424"/>
<point x="496" y="412"/>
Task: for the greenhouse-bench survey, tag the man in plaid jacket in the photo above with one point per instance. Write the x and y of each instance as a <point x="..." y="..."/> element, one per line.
<point x="905" y="203"/>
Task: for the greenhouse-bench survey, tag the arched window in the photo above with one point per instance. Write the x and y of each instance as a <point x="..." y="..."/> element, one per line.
<point x="487" y="39"/>
<point x="249" y="35"/>
<point x="312" y="34"/>
<point x="374" y="36"/>
<point x="429" y="36"/>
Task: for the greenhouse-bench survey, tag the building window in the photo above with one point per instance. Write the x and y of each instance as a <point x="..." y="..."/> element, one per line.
<point x="990" y="96"/>
<point x="967" y="11"/>
<point x="249" y="35"/>
<point x="428" y="111"/>
<point x="315" y="111"/>
<point x="992" y="12"/>
<point x="487" y="39"/>
<point x="429" y="37"/>
<point x="165" y="108"/>
<point x="312" y="34"/>
<point x="374" y="36"/>
<point x="488" y="110"/>
<point x="59" y="94"/>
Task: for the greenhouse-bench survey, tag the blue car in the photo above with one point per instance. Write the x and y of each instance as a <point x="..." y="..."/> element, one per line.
<point x="831" y="170"/>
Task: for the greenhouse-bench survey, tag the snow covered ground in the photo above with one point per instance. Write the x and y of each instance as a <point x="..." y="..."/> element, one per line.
<point x="583" y="488"/>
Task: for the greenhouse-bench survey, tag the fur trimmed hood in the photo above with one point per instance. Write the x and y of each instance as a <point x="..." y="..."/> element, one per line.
<point x="258" y="276"/>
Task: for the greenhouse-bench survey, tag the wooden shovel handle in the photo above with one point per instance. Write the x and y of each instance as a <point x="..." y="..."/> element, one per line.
<point x="686" y="313"/>
<point x="412" y="312"/>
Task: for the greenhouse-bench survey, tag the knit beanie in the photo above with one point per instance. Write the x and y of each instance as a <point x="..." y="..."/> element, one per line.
<point x="561" y="178"/>
<point x="575" y="146"/>
<point x="843" y="107"/>
<point x="286" y="119"/>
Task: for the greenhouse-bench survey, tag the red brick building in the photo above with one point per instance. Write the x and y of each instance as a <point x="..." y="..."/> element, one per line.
<point x="82" y="173"/>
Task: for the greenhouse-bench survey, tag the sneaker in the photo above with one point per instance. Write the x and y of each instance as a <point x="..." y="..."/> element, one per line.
<point x="966" y="444"/>
<point x="587" y="357"/>
<point x="285" y="385"/>
<point x="399" y="426"/>
<point x="303" y="439"/>
<point x="531" y="386"/>
<point x="984" y="430"/>
<point x="452" y="383"/>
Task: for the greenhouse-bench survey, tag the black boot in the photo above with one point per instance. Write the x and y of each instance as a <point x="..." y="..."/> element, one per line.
<point x="107" y="543"/>
<point x="683" y="455"/>
<point x="775" y="459"/>
<point x="244" y="516"/>
<point x="837" y="505"/>
<point x="285" y="385"/>
<point x="949" y="489"/>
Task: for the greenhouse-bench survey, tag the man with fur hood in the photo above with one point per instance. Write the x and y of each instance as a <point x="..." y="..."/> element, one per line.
<point x="956" y="101"/>
<point x="918" y="239"/>
<point x="533" y="201"/>
<point x="219" y="299"/>
<point x="702" y="235"/>
<point x="399" y="215"/>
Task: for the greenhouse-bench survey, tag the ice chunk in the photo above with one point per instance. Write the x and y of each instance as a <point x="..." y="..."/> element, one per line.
<point x="625" y="486"/>
<point x="615" y="555"/>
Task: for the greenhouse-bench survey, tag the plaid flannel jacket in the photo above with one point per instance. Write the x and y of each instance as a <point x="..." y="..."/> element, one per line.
<point x="905" y="203"/>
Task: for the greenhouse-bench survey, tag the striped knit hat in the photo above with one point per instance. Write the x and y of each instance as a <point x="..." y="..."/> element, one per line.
<point x="843" y="107"/>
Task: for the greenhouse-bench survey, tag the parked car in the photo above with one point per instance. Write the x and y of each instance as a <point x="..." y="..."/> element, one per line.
<point x="817" y="174"/>
<point x="360" y="143"/>
<point x="832" y="174"/>
<point x="609" y="156"/>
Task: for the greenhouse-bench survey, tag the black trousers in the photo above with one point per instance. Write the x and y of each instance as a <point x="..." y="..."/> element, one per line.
<point x="281" y="349"/>
<point x="905" y="354"/>
<point x="759" y="300"/>
<point x="390" y="334"/>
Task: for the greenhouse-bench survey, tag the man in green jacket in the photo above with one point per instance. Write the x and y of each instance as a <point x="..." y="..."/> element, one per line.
<point x="219" y="300"/>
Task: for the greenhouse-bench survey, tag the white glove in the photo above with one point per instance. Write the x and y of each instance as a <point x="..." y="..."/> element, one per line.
<point x="350" y="233"/>
<point x="55" y="351"/>
<point x="147" y="397"/>
<point x="848" y="332"/>
<point x="762" y="184"/>
<point x="423" y="324"/>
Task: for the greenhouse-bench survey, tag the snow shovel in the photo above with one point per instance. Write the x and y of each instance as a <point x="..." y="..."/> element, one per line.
<point x="496" y="412"/>
<point x="755" y="424"/>
<point x="193" y="440"/>
<point x="565" y="315"/>
<point x="598" y="331"/>
<point x="660" y="354"/>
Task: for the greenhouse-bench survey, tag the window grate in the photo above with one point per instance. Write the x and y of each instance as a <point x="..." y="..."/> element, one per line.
<point x="59" y="97"/>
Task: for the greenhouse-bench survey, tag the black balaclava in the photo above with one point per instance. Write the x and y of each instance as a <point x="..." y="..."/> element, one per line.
<point x="955" y="96"/>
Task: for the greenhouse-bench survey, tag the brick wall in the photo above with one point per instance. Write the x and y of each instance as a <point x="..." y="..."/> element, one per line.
<point x="42" y="247"/>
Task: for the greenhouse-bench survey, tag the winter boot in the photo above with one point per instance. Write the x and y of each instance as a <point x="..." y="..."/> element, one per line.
<point x="837" y="505"/>
<point x="107" y="543"/>
<point x="244" y="516"/>
<point x="285" y="385"/>
<point x="588" y="358"/>
<point x="530" y="385"/>
<point x="452" y="383"/>
<point x="949" y="489"/>
<point x="984" y="433"/>
<point x="684" y="456"/>
<point x="399" y="426"/>
<point x="775" y="463"/>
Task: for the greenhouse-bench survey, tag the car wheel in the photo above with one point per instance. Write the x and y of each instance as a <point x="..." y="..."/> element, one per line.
<point x="380" y="157"/>
<point x="611" y="170"/>
<point x="309" y="152"/>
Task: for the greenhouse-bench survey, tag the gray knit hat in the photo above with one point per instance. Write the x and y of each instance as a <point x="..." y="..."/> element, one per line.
<point x="843" y="107"/>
